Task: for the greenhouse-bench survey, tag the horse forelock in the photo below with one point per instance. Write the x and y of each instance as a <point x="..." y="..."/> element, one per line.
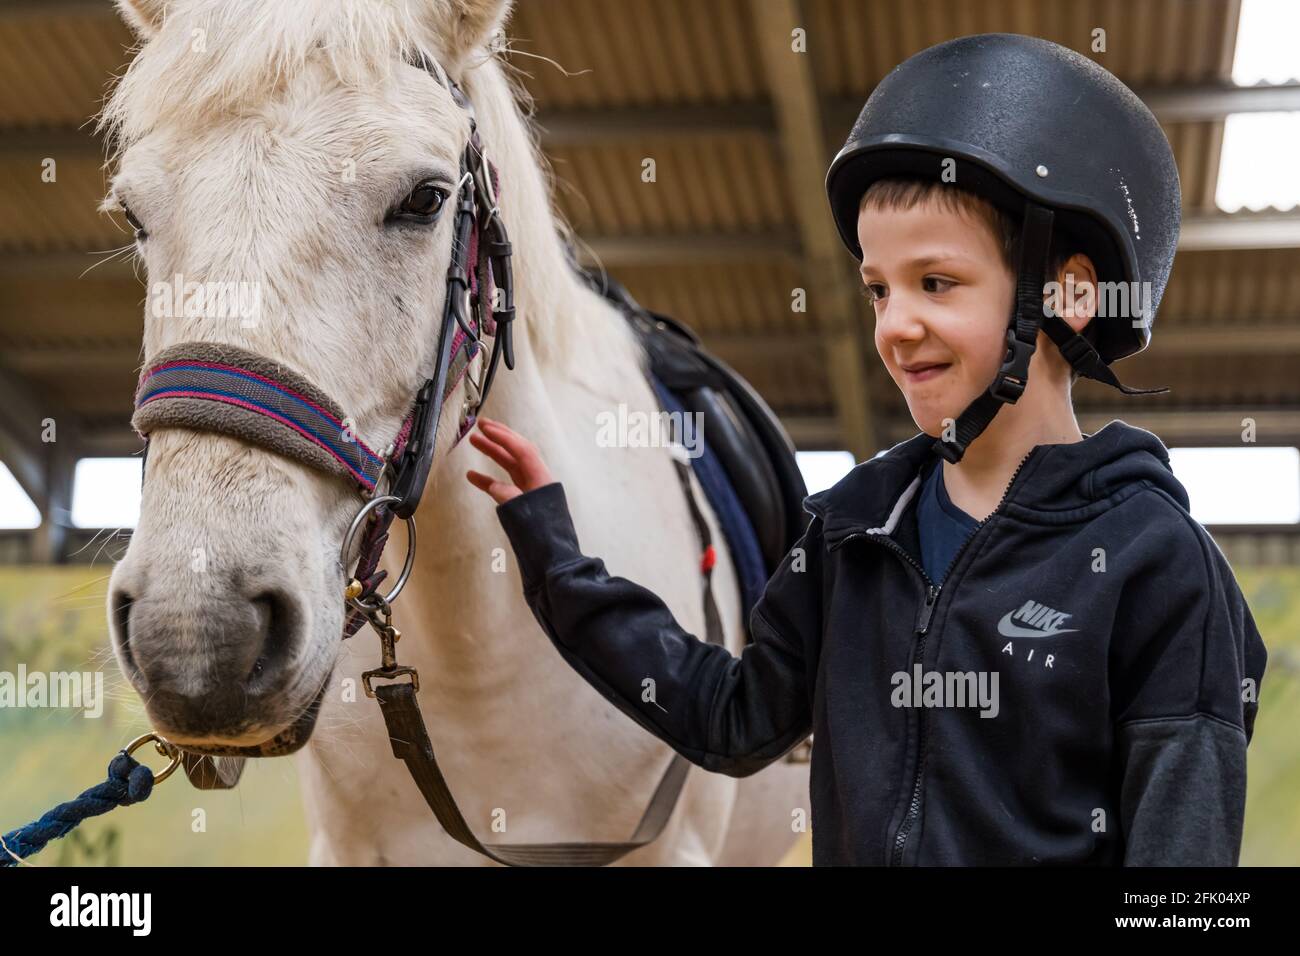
<point x="210" y="57"/>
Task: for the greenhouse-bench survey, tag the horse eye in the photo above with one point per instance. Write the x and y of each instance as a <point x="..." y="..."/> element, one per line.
<point x="134" y="222"/>
<point x="424" y="201"/>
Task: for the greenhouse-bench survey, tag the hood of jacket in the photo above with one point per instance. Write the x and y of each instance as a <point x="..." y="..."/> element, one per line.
<point x="1051" y="479"/>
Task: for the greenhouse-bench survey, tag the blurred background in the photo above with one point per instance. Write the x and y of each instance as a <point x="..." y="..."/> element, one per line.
<point x="741" y="133"/>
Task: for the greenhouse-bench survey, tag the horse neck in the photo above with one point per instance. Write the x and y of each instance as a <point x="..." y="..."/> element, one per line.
<point x="563" y="332"/>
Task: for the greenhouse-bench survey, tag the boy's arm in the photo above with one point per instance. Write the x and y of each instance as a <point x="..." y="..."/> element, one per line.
<point x="726" y="714"/>
<point x="1186" y="678"/>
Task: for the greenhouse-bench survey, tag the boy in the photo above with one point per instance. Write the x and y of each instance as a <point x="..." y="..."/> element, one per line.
<point x="1012" y="642"/>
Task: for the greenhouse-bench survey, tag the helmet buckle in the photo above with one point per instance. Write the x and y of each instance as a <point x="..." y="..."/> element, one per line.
<point x="1010" y="384"/>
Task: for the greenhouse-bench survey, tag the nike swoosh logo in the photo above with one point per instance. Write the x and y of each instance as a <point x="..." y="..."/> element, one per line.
<point x="1007" y="629"/>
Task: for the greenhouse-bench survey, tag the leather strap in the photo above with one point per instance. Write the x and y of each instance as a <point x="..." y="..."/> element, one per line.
<point x="1022" y="339"/>
<point x="1085" y="359"/>
<point x="411" y="745"/>
<point x="205" y="386"/>
<point x="1022" y="336"/>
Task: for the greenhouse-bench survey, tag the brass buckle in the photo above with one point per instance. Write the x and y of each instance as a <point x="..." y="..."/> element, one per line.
<point x="389" y="672"/>
<point x="381" y="620"/>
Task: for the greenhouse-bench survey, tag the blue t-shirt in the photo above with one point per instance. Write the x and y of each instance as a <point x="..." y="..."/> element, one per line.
<point x="941" y="525"/>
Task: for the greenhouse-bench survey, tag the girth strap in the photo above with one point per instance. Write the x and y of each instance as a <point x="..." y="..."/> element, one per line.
<point x="411" y="744"/>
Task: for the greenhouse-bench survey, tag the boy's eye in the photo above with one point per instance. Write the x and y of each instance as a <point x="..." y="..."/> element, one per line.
<point x="935" y="284"/>
<point x="874" y="291"/>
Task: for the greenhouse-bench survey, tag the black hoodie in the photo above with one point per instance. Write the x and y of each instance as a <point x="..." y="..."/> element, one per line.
<point x="1079" y="690"/>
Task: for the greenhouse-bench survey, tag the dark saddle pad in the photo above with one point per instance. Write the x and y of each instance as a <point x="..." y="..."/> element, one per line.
<point x="740" y="432"/>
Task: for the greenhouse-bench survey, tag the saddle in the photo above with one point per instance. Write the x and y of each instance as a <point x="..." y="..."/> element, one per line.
<point x="748" y="468"/>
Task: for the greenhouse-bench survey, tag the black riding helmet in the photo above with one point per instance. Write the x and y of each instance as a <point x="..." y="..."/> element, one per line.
<point x="1052" y="139"/>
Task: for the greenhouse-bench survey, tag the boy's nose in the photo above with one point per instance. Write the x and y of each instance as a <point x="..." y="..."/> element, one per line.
<point x="899" y="323"/>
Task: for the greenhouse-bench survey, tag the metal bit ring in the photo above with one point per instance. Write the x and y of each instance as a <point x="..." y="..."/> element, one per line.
<point x="407" y="565"/>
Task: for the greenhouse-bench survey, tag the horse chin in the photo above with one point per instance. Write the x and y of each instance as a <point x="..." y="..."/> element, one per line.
<point x="288" y="740"/>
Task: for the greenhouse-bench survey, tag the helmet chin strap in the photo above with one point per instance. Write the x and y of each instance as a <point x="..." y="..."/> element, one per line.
<point x="1022" y="338"/>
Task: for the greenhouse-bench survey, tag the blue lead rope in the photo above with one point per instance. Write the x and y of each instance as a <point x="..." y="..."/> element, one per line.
<point x="128" y="782"/>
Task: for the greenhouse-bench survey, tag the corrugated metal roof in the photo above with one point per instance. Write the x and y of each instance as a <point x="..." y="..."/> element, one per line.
<point x="712" y="183"/>
<point x="635" y="54"/>
<point x="1147" y="43"/>
<point x="57" y="66"/>
<point x="723" y="179"/>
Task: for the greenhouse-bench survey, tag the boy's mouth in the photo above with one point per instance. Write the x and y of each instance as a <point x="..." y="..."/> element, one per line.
<point x="924" y="371"/>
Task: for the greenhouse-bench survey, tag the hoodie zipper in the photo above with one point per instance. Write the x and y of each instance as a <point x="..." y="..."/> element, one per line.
<point x="921" y="630"/>
<point x="918" y="653"/>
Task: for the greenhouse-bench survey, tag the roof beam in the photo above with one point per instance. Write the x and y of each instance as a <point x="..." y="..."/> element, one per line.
<point x="1198" y="233"/>
<point x="611" y="251"/>
<point x="1174" y="426"/>
<point x="21" y="412"/>
<point x="1244" y="230"/>
<point x="1186" y="338"/>
<point x="1212" y="102"/>
<point x="1191" y="103"/>
<point x="1200" y="426"/>
<point x="43" y="469"/>
<point x="614" y="251"/>
<point x="1187" y="426"/>
<point x="600" y="126"/>
<point x="21" y="265"/>
<point x="830" y="295"/>
<point x="44" y="9"/>
<point x="52" y="357"/>
<point x="587" y="127"/>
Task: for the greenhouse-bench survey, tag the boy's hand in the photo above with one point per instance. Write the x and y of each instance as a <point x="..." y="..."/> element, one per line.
<point x="516" y="454"/>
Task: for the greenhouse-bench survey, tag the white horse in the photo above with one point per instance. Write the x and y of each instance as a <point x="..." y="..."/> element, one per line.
<point x="264" y="141"/>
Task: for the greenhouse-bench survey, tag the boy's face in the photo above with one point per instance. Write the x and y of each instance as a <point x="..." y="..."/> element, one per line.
<point x="942" y="296"/>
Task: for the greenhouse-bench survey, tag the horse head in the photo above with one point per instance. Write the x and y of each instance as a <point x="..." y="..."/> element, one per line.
<point x="291" y="171"/>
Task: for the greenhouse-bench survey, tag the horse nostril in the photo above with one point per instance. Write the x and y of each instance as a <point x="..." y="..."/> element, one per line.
<point x="122" y="602"/>
<point x="276" y="627"/>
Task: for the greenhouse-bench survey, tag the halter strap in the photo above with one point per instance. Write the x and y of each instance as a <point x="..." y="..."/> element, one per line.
<point x="225" y="389"/>
<point x="221" y="388"/>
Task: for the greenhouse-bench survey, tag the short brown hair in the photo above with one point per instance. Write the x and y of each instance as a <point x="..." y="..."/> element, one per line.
<point x="907" y="192"/>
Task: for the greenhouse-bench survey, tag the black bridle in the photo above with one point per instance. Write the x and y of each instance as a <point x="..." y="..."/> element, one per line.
<point x="478" y="231"/>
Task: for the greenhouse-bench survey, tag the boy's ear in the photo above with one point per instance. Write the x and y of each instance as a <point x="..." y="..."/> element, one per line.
<point x="1074" y="295"/>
